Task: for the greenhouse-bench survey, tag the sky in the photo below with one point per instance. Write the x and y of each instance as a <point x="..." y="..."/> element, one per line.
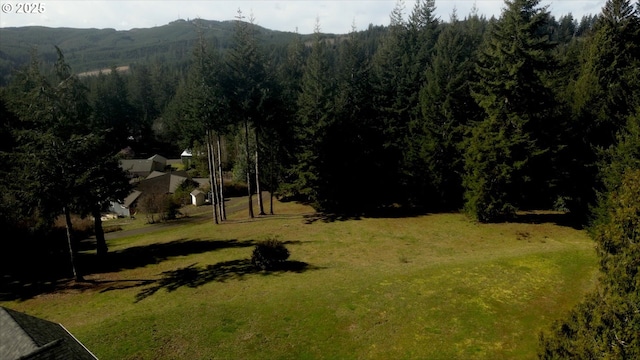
<point x="338" y="17"/>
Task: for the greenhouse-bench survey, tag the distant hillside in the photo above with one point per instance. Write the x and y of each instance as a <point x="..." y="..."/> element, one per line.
<point x="94" y="49"/>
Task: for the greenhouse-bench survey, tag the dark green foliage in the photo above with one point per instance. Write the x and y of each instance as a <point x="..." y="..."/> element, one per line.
<point x="602" y="96"/>
<point x="269" y="255"/>
<point x="315" y="115"/>
<point x="608" y="84"/>
<point x="66" y="163"/>
<point x="397" y="76"/>
<point x="201" y="104"/>
<point x="94" y="49"/>
<point x="607" y="323"/>
<point x="509" y="154"/>
<point x="616" y="161"/>
<point x="112" y="110"/>
<point x="433" y="160"/>
<point x="495" y="158"/>
<point x="248" y="93"/>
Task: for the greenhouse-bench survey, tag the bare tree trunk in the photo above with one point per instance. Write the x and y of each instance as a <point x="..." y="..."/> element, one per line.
<point x="272" y="179"/>
<point x="101" y="242"/>
<point x="246" y="138"/>
<point x="223" y="209"/>
<point x="70" y="243"/>
<point x="212" y="179"/>
<point x="270" y="202"/>
<point x="258" y="191"/>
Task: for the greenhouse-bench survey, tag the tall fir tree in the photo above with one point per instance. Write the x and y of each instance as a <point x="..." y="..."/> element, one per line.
<point x="434" y="151"/>
<point x="605" y="92"/>
<point x="508" y="150"/>
<point x="247" y="93"/>
<point x="314" y="116"/>
<point x="112" y="108"/>
<point x="356" y="178"/>
<point x="201" y="113"/>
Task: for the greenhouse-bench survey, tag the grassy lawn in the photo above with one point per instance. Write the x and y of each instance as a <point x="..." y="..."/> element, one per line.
<point x="429" y="287"/>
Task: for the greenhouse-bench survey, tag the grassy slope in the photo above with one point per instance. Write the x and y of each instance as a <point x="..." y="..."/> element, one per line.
<point x="434" y="286"/>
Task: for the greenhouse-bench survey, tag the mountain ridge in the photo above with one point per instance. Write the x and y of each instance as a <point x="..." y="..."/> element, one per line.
<point x="91" y="49"/>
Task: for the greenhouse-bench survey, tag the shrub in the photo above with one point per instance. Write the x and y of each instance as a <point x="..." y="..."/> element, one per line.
<point x="269" y="254"/>
<point x="607" y="323"/>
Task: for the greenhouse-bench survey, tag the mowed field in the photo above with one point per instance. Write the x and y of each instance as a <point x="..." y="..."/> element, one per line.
<point x="436" y="286"/>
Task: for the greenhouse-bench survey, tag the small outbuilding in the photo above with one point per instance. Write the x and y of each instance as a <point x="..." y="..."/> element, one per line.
<point x="186" y="157"/>
<point x="24" y="336"/>
<point x="197" y="197"/>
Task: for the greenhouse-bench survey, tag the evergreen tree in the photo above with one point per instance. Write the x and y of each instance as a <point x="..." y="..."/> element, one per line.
<point x="423" y="30"/>
<point x="391" y="93"/>
<point x="200" y="114"/>
<point x="607" y="323"/>
<point x="434" y="155"/>
<point x="54" y="126"/>
<point x="68" y="165"/>
<point x="315" y="115"/>
<point x="247" y="92"/>
<point x="112" y="108"/>
<point x="143" y="100"/>
<point x="357" y="181"/>
<point x="504" y="162"/>
<point x="604" y="94"/>
<point x="608" y="84"/>
<point x="397" y="76"/>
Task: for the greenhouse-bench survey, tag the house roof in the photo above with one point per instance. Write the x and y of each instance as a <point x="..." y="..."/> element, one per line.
<point x="155" y="174"/>
<point x="135" y="194"/>
<point x="161" y="183"/>
<point x="137" y="165"/>
<point x="158" y="158"/>
<point x="144" y="166"/>
<point x="27" y="337"/>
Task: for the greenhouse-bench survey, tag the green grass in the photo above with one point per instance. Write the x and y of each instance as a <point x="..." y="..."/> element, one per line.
<point x="428" y="287"/>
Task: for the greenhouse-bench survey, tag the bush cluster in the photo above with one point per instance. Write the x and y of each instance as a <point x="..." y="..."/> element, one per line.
<point x="269" y="254"/>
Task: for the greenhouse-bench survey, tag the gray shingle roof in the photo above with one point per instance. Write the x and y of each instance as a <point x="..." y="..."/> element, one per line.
<point x="27" y="337"/>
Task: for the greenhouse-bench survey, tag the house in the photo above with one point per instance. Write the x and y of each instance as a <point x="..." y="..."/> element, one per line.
<point x="141" y="168"/>
<point x="24" y="336"/>
<point x="155" y="183"/>
<point x="127" y="206"/>
<point x="159" y="182"/>
<point x="197" y="197"/>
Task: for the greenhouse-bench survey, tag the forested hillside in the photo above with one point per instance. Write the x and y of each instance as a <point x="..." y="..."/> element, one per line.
<point x="94" y="49"/>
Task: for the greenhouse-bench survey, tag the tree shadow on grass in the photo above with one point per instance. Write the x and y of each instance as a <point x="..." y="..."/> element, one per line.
<point x="546" y="217"/>
<point x="388" y="212"/>
<point x="54" y="275"/>
<point x="195" y="276"/>
<point x="140" y="256"/>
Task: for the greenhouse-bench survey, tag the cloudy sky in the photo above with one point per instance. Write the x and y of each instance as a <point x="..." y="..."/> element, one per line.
<point x="285" y="15"/>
